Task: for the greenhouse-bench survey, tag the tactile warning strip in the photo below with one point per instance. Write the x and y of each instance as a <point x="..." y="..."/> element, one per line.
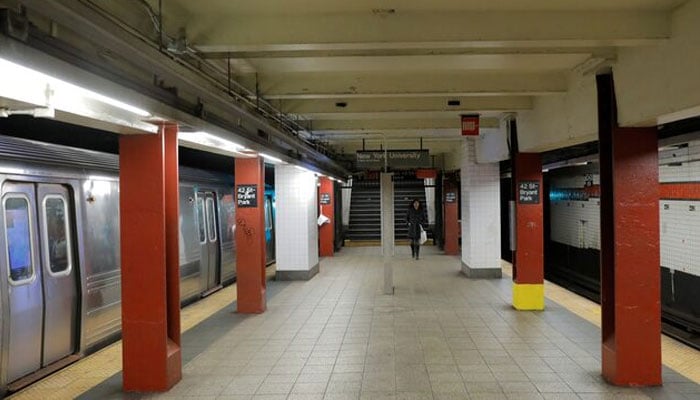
<point x="675" y="355"/>
<point x="80" y="377"/>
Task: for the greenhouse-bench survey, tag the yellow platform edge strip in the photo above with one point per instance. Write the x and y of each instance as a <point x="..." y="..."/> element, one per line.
<point x="528" y="297"/>
<point x="679" y="357"/>
<point x="92" y="370"/>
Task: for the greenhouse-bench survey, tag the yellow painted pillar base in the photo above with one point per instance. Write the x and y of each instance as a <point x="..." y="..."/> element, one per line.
<point x="528" y="297"/>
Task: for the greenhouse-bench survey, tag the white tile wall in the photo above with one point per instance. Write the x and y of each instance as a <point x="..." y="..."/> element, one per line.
<point x="575" y="181"/>
<point x="687" y="172"/>
<point x="680" y="235"/>
<point x="576" y="223"/>
<point x="430" y="199"/>
<point x="679" y="226"/>
<point x="346" y="197"/>
<point x="296" y="231"/>
<point x="481" y="217"/>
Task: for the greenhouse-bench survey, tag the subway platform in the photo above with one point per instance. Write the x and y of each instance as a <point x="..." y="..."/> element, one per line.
<point x="337" y="336"/>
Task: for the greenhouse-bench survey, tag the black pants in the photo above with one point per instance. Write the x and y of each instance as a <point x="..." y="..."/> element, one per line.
<point x="415" y="247"/>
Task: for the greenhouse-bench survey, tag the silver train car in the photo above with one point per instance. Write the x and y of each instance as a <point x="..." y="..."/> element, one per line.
<point x="60" y="257"/>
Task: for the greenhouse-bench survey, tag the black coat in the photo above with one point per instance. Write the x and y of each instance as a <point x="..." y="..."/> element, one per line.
<point x="414" y="218"/>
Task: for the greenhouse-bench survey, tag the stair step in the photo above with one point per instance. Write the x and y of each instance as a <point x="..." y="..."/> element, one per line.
<point x="365" y="208"/>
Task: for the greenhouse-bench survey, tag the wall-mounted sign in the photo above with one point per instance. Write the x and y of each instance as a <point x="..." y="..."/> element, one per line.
<point x="450" y="197"/>
<point x="426" y="174"/>
<point x="529" y="192"/>
<point x="406" y="159"/>
<point x="470" y="125"/>
<point x="247" y="195"/>
<point x="325" y="198"/>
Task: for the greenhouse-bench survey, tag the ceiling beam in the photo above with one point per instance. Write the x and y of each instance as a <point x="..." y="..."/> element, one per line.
<point x="381" y="125"/>
<point x="389" y="115"/>
<point x="412" y="49"/>
<point x="222" y="32"/>
<point x="423" y="63"/>
<point x="446" y="133"/>
<point x="408" y="104"/>
<point x="339" y="85"/>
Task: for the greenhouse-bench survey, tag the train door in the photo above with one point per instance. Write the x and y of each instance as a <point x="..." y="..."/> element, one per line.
<point x="269" y="231"/>
<point x="209" y="240"/>
<point x="42" y="286"/>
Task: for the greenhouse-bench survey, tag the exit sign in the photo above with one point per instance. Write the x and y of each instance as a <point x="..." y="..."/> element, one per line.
<point x="470" y="125"/>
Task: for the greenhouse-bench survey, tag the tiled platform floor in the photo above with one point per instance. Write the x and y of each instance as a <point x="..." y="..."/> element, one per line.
<point x="440" y="336"/>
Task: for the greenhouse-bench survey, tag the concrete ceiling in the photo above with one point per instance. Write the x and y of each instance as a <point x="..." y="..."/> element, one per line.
<point x="385" y="70"/>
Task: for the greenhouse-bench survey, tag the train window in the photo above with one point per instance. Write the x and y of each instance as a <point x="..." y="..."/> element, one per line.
<point x="211" y="219"/>
<point x="200" y="220"/>
<point x="56" y="235"/>
<point x="19" y="238"/>
<point x="268" y="213"/>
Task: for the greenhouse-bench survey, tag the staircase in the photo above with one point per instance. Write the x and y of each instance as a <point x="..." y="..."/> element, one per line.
<point x="365" y="211"/>
<point x="365" y="208"/>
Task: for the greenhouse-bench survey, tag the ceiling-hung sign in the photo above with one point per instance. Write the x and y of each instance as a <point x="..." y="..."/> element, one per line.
<point x="397" y="159"/>
<point x="470" y="125"/>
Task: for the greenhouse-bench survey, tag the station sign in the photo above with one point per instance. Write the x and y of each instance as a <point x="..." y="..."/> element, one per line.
<point x="247" y="196"/>
<point x="450" y="197"/>
<point x="325" y="198"/>
<point x="397" y="159"/>
<point x="529" y="192"/>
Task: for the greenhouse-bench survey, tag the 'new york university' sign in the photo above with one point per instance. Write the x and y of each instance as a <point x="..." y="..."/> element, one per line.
<point x="408" y="159"/>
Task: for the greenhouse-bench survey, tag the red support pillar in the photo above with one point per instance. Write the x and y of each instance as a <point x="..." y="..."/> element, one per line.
<point x="172" y="231"/>
<point x="250" y="235"/>
<point x="629" y="229"/>
<point x="326" y="232"/>
<point x="148" y="202"/>
<point x="451" y="219"/>
<point x="528" y="276"/>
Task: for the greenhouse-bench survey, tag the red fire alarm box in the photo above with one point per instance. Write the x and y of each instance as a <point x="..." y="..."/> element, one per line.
<point x="470" y="125"/>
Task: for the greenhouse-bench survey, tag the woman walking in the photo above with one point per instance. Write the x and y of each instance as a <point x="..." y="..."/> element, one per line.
<point x="416" y="219"/>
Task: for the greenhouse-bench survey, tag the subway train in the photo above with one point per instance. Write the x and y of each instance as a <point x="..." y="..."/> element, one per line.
<point x="572" y="235"/>
<point x="59" y="268"/>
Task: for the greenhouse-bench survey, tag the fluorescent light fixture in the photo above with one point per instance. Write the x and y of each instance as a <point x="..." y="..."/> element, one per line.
<point x="31" y="86"/>
<point x="209" y="140"/>
<point x="113" y="102"/>
<point x="12" y="171"/>
<point x="271" y="158"/>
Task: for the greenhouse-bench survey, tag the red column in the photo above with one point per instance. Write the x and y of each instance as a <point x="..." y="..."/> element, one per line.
<point x="250" y="235"/>
<point x="629" y="229"/>
<point x="451" y="219"/>
<point x="326" y="232"/>
<point x="172" y="232"/>
<point x="528" y="276"/>
<point x="149" y="260"/>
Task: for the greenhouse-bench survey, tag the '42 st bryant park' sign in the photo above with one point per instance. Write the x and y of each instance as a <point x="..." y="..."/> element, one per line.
<point x="409" y="159"/>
